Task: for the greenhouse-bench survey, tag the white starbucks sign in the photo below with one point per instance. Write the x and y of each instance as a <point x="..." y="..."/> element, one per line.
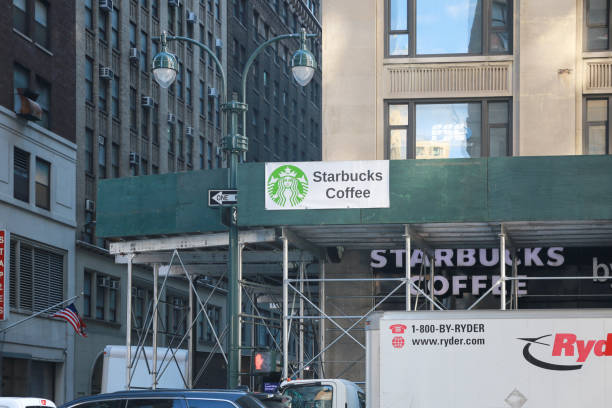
<point x="321" y="185"/>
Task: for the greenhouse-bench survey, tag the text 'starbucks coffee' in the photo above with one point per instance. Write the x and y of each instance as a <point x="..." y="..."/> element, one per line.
<point x="322" y="185"/>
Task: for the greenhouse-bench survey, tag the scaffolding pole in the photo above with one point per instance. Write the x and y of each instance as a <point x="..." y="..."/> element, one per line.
<point x="128" y="325"/>
<point x="155" y="319"/>
<point x="285" y="304"/>
<point x="502" y="270"/>
<point x="322" y="321"/>
<point x="408" y="268"/>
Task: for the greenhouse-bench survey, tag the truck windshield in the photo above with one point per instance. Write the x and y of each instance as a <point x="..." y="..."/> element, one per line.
<point x="309" y="396"/>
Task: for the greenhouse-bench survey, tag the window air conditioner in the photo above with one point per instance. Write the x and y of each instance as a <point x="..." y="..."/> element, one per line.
<point x="106" y="73"/>
<point x="189" y="131"/>
<point x="212" y="91"/>
<point x="101" y="140"/>
<point x="146" y="102"/>
<point x="191" y="17"/>
<point x="134" y="54"/>
<point x="90" y="206"/>
<point x="219" y="43"/>
<point x="106" y="5"/>
<point x="103" y="281"/>
<point x="171" y="118"/>
<point x="114" y="284"/>
<point x="133" y="158"/>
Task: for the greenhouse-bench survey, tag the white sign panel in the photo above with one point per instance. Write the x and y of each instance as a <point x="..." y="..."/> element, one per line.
<point x="496" y="363"/>
<point x="321" y="185"/>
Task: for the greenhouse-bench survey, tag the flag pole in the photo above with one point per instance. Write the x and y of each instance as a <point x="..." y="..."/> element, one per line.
<point x="39" y="313"/>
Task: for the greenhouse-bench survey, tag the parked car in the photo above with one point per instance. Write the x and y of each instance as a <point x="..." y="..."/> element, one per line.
<point x="22" y="402"/>
<point x="273" y="400"/>
<point x="169" y="399"/>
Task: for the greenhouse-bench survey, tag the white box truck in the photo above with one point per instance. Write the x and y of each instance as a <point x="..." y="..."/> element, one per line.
<point x="172" y="372"/>
<point x="487" y="359"/>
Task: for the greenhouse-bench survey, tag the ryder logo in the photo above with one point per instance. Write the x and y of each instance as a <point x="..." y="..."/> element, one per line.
<point x="567" y="345"/>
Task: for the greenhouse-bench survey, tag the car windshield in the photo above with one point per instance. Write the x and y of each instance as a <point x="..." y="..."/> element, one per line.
<point x="309" y="396"/>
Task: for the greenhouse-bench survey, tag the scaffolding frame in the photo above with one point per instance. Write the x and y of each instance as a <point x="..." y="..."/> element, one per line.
<point x="310" y="249"/>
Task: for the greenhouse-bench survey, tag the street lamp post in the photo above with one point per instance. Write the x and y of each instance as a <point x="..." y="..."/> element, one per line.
<point x="165" y="68"/>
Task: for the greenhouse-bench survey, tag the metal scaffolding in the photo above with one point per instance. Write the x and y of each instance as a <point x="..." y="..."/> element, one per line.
<point x="287" y="268"/>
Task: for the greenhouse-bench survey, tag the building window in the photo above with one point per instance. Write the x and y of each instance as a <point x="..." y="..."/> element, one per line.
<point x="170" y="138"/>
<point x="133" y="113"/>
<point x="209" y="155"/>
<point x="205" y="332"/>
<point x="43" y="184"/>
<point x="37" y="276"/>
<point x="180" y="139"/>
<point x="89" y="145"/>
<point x="201" y="98"/>
<point x="44" y="101"/>
<point x="88" y="79"/>
<point x="202" y="158"/>
<point x="144" y="60"/>
<point x="266" y="83"/>
<point x="189" y="150"/>
<point x="132" y="35"/>
<point x="21" y="175"/>
<point x="101" y="157"/>
<point x="179" y="81"/>
<point x="453" y="129"/>
<point x="155" y="8"/>
<point x="155" y="125"/>
<point x="217" y="10"/>
<point x="144" y="122"/>
<point x="266" y="136"/>
<point x="87" y="294"/>
<point x="115" y="97"/>
<point x="21" y="80"/>
<point x="470" y="27"/>
<point x="597" y="137"/>
<point x="138" y="302"/>
<point x="115" y="160"/>
<point x="597" y="25"/>
<point x="177" y="315"/>
<point x="102" y="96"/>
<point x="115" y="29"/>
<point x="102" y="28"/>
<point x="41" y="30"/>
<point x="106" y="299"/>
<point x="188" y="77"/>
<point x="20" y="15"/>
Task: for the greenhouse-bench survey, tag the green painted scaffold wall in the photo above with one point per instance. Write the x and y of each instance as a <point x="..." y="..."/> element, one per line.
<point x="505" y="189"/>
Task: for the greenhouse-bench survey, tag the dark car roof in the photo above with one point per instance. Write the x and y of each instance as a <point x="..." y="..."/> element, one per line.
<point x="230" y="395"/>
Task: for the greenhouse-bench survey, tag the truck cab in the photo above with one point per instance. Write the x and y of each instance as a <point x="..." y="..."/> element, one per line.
<point x="323" y="393"/>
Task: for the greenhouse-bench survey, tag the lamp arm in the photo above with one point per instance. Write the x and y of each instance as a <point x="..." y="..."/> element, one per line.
<point x="209" y="52"/>
<point x="251" y="59"/>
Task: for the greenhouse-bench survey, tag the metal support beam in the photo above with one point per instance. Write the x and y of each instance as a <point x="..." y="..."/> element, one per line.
<point x="155" y="320"/>
<point x="217" y="257"/>
<point x="502" y="270"/>
<point x="128" y="326"/>
<point x="515" y="276"/>
<point x="190" y="344"/>
<point x="285" y="240"/>
<point x="191" y="241"/>
<point x="322" y="302"/>
<point x="304" y="244"/>
<point x="301" y="328"/>
<point x="432" y="280"/>
<point x="419" y="242"/>
<point x="408" y="266"/>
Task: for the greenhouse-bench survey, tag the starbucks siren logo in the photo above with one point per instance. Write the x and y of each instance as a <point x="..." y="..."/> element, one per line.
<point x="287" y="185"/>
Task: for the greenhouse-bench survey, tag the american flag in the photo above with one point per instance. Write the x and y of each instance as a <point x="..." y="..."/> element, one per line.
<point x="72" y="316"/>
